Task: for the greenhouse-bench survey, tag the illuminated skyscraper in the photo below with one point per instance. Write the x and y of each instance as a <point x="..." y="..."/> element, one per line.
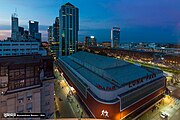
<point x="54" y="46"/>
<point x="115" y="37"/>
<point x="14" y="27"/>
<point x="69" y="21"/>
<point x="90" y="41"/>
<point x="50" y="34"/>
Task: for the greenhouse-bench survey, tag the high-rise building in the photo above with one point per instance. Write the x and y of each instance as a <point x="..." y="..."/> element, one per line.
<point x="26" y="84"/>
<point x="56" y="30"/>
<point x="93" y="41"/>
<point x="86" y="41"/>
<point x="50" y="34"/>
<point x="21" y="43"/>
<point x="21" y="31"/>
<point x="115" y="37"/>
<point x="90" y="41"/>
<point x="26" y="34"/>
<point x="14" y="27"/>
<point x="37" y="36"/>
<point x="54" y="45"/>
<point x="33" y="28"/>
<point x="69" y="21"/>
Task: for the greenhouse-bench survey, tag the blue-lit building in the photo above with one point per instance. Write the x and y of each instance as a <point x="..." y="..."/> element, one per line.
<point x="69" y="21"/>
<point x="21" y="31"/>
<point x="14" y="27"/>
<point x="53" y="38"/>
<point x="56" y="30"/>
<point x="115" y="37"/>
<point x="14" y="48"/>
<point x="37" y="37"/>
<point x="50" y="34"/>
<point x="21" y="43"/>
<point x="33" y="28"/>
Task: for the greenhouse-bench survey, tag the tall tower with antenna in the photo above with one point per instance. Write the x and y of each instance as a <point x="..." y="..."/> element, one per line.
<point x="14" y="26"/>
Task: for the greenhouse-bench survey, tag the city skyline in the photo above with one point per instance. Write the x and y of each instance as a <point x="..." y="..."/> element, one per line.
<point x="140" y="21"/>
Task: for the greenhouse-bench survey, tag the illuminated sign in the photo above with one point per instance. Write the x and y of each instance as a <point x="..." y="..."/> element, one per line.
<point x="131" y="84"/>
<point x="32" y="21"/>
<point x="140" y="80"/>
<point x="115" y="29"/>
<point x="92" y="36"/>
<point x="104" y="113"/>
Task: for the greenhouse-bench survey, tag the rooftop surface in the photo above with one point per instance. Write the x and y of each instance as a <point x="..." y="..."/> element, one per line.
<point x="113" y="72"/>
<point x="68" y="4"/>
<point x="99" y="61"/>
<point x="23" y="59"/>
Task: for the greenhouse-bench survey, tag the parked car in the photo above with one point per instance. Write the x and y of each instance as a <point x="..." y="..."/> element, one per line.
<point x="164" y="115"/>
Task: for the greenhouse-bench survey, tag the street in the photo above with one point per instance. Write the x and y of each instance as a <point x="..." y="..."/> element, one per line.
<point x="168" y="105"/>
<point x="68" y="105"/>
<point x="65" y="100"/>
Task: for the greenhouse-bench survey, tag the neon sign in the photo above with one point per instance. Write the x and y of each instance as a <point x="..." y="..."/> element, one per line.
<point x="104" y="113"/>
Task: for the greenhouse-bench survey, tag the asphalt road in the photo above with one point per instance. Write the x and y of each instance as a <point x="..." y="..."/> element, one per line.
<point x="68" y="105"/>
<point x="169" y="105"/>
<point x="63" y="106"/>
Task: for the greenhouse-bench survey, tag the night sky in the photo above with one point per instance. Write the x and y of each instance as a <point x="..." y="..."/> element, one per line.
<point x="140" y="20"/>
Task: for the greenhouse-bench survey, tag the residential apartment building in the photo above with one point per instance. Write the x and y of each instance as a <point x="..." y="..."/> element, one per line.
<point x="24" y="82"/>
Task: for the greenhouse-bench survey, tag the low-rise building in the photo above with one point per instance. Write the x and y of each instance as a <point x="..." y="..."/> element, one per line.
<point x="13" y="48"/>
<point x="106" y="44"/>
<point x="112" y="88"/>
<point x="26" y="84"/>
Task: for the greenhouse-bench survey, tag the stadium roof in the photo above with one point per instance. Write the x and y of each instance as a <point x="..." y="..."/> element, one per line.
<point x="99" y="61"/>
<point x="105" y="71"/>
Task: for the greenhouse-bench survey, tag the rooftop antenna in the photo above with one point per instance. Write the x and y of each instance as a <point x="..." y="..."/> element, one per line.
<point x="15" y="13"/>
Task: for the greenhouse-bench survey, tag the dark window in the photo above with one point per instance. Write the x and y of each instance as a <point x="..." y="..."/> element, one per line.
<point x="29" y="71"/>
<point x="138" y="94"/>
<point x="3" y="70"/>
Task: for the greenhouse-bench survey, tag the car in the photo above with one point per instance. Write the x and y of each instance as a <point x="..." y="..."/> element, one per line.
<point x="164" y="115"/>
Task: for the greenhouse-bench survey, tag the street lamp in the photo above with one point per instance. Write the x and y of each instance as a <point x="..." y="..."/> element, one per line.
<point x="62" y="74"/>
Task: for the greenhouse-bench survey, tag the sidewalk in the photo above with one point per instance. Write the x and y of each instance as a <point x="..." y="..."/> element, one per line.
<point x="77" y="107"/>
<point x="67" y="102"/>
<point x="169" y="105"/>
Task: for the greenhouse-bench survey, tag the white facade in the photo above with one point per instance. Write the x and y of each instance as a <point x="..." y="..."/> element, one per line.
<point x="47" y="97"/>
<point x="8" y="48"/>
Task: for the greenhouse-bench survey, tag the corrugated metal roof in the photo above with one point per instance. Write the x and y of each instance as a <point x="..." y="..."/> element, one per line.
<point x="99" y="61"/>
<point x="115" y="72"/>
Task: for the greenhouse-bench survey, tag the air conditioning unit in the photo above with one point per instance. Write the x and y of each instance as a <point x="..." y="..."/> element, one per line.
<point x="20" y="101"/>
